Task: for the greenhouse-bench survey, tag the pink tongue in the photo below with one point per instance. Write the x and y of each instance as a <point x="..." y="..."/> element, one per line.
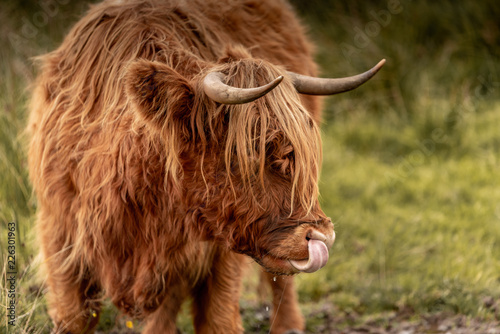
<point x="318" y="256"/>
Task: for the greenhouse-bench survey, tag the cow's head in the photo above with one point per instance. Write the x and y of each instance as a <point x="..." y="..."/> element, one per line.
<point x="244" y="154"/>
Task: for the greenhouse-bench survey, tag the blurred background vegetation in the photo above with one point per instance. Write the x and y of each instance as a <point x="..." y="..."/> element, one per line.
<point x="411" y="159"/>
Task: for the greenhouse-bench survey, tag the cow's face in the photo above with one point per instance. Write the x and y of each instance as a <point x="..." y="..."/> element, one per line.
<point x="249" y="170"/>
<point x="268" y="155"/>
<point x="269" y="220"/>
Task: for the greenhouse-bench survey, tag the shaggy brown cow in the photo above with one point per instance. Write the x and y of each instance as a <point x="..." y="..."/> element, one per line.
<point x="154" y="173"/>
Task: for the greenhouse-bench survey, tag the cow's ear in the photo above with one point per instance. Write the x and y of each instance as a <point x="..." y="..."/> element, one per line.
<point x="158" y="92"/>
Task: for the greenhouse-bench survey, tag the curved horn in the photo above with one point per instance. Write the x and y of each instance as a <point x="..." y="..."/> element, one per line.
<point x="321" y="86"/>
<point x="217" y="90"/>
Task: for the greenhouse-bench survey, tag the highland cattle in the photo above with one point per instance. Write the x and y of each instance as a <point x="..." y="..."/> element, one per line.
<point x="171" y="142"/>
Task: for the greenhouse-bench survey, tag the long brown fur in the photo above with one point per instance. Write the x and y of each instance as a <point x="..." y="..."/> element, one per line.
<point x="148" y="190"/>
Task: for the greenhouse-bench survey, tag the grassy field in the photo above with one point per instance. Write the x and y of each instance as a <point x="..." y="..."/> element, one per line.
<point x="411" y="172"/>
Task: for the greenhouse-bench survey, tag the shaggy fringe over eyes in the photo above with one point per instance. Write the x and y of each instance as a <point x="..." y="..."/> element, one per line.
<point x="252" y="126"/>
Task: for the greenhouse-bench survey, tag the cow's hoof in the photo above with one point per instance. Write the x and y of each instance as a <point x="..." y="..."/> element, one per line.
<point x="293" y="331"/>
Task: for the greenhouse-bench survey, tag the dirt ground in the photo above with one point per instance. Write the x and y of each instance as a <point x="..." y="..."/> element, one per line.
<point x="322" y="319"/>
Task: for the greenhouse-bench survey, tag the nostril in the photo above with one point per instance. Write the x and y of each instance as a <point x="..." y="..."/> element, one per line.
<point x="309" y="235"/>
<point x="315" y="235"/>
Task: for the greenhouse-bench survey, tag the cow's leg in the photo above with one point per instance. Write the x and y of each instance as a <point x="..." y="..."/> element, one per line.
<point x="73" y="299"/>
<point x="73" y="303"/>
<point x="286" y="315"/>
<point x="163" y="319"/>
<point x="216" y="298"/>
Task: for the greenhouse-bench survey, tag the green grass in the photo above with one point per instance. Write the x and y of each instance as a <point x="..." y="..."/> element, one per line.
<point x="411" y="160"/>
<point x="418" y="230"/>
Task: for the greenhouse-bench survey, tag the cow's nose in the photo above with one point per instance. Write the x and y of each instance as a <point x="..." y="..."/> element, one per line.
<point x="313" y="234"/>
<point x="320" y="229"/>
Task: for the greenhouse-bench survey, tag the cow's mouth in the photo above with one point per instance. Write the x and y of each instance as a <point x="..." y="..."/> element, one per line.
<point x="317" y="259"/>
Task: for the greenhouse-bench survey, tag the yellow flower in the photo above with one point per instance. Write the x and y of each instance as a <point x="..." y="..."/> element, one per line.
<point x="129" y="324"/>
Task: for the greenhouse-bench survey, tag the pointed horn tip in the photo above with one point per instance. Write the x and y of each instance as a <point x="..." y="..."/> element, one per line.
<point x="270" y="86"/>
<point x="371" y="72"/>
<point x="380" y="64"/>
<point x="278" y="80"/>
